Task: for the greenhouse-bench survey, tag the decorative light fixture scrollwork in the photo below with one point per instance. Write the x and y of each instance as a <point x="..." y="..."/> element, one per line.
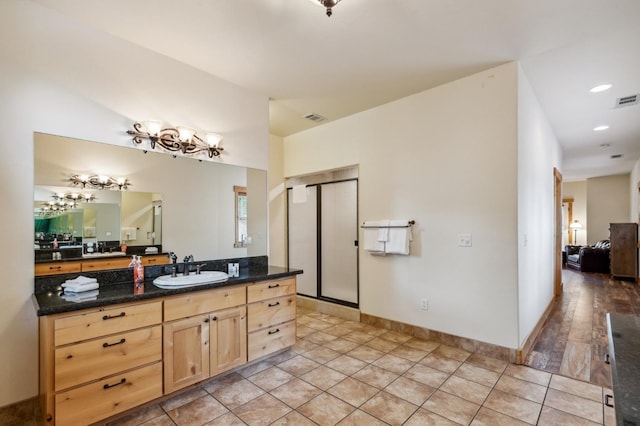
<point x="176" y="139"/>
<point x="100" y="182"/>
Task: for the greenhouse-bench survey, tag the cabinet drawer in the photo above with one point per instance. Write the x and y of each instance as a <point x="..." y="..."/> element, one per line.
<point x="57" y="268"/>
<point x="203" y="302"/>
<point x="103" y="322"/>
<point x="102" y="264"/>
<point x="99" y="400"/>
<point x="154" y="260"/>
<point x="94" y="359"/>
<point x="270" y="289"/>
<point x="269" y="340"/>
<point x="271" y="312"/>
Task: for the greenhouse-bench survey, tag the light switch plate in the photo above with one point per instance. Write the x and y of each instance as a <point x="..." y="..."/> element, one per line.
<point x="464" y="240"/>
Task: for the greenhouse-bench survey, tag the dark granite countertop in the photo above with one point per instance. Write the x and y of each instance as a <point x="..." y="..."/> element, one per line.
<point x="624" y="353"/>
<point x="47" y="297"/>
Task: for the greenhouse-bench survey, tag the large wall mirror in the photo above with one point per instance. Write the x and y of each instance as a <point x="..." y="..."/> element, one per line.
<point x="177" y="204"/>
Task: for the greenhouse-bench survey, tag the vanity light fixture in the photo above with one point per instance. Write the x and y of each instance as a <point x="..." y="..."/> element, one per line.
<point x="100" y="182"/>
<point x="74" y="197"/>
<point x="174" y="139"/>
<point x="328" y="4"/>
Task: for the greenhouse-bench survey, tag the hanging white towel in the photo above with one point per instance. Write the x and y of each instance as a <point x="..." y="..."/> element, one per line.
<point x="128" y="234"/>
<point x="299" y="194"/>
<point x="370" y="234"/>
<point x="399" y="237"/>
<point x="383" y="231"/>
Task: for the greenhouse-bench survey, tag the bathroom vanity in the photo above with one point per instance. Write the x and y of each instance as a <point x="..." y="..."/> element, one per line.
<point x="103" y="357"/>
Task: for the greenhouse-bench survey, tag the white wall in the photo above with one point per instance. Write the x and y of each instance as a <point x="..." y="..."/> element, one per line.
<point x="446" y="158"/>
<point x="277" y="202"/>
<point x="608" y="202"/>
<point x="62" y="78"/>
<point x="634" y="189"/>
<point x="538" y="154"/>
<point x="578" y="192"/>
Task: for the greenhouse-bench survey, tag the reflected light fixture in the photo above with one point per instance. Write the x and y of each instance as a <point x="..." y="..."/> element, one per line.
<point x="600" y="88"/>
<point x="600" y="128"/>
<point x="575" y="225"/>
<point x="100" y="182"/>
<point x="176" y="139"/>
<point x="328" y="4"/>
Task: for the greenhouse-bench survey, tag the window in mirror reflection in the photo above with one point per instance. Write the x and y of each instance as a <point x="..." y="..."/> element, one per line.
<point x="241" y="215"/>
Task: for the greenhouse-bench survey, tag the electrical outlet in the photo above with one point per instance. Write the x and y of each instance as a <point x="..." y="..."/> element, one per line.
<point x="464" y="240"/>
<point x="424" y="304"/>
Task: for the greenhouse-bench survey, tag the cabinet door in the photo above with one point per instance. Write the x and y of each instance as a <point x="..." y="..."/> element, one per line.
<point x="186" y="352"/>
<point x="228" y="337"/>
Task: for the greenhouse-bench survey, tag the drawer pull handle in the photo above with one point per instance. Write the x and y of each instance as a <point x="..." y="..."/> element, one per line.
<point x="108" y="317"/>
<point x="277" y="330"/>
<point x="214" y="319"/>
<point x="606" y="359"/>
<point x="55" y="267"/>
<point x="151" y="260"/>
<point x="271" y="305"/>
<point x="121" y="382"/>
<point x="606" y="400"/>
<point x="274" y="286"/>
<point x="107" y="345"/>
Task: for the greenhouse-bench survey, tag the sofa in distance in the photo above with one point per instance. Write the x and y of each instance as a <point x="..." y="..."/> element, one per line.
<point x="593" y="258"/>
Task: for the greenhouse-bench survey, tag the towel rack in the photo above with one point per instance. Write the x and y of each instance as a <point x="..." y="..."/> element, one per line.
<point x="411" y="222"/>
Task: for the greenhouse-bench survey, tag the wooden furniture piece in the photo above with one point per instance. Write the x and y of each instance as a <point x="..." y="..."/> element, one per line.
<point x="95" y="264"/>
<point x="624" y="250"/>
<point x="99" y="362"/>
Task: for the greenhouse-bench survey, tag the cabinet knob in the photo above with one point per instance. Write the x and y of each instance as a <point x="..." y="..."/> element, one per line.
<point x="206" y="320"/>
<point x="214" y="319"/>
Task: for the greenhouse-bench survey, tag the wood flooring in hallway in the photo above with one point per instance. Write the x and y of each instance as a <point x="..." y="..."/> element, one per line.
<point x="573" y="340"/>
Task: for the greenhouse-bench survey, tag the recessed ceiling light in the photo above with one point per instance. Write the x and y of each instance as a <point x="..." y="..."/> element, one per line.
<point x="600" y="128"/>
<point x="600" y="88"/>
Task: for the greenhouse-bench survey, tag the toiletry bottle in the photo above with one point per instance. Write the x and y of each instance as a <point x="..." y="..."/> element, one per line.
<point x="55" y="243"/>
<point x="132" y="264"/>
<point x="139" y="277"/>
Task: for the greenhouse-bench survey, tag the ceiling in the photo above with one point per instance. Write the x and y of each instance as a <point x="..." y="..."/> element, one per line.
<point x="375" y="51"/>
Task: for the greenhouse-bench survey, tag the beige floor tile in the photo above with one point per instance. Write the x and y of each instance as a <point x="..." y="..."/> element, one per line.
<point x="477" y="374"/>
<point x="183" y="398"/>
<point x="551" y="416"/>
<point x="382" y="345"/>
<point x="299" y="364"/>
<point x="237" y="393"/>
<point x="353" y="325"/>
<point x="281" y="357"/>
<point x="322" y="355"/>
<point x="427" y="375"/>
<point x="270" y="378"/>
<point x="529" y="374"/>
<point x="389" y="408"/>
<point x="522" y="388"/>
<point x="360" y="418"/>
<point x="441" y="363"/>
<point x="319" y="324"/>
<point x="323" y="377"/>
<point x="228" y="419"/>
<point x="296" y="392"/>
<point x="407" y="352"/>
<point x="163" y="420"/>
<point x="198" y="412"/>
<point x="487" y="417"/>
<point x="338" y="330"/>
<point x="346" y="364"/>
<point x="375" y="376"/>
<point x="254" y="368"/>
<point x="394" y="336"/>
<point x="341" y="345"/>
<point x="353" y="391"/>
<point x="451" y="352"/>
<point x="373" y="331"/>
<point x="576" y="387"/>
<point x="487" y="363"/>
<point x="320" y="337"/>
<point x="451" y="407"/>
<point x="424" y="345"/>
<point x="293" y="419"/>
<point x="513" y="406"/>
<point x="263" y="410"/>
<point x="358" y="337"/>
<point x="424" y="417"/>
<point x="466" y="389"/>
<point x="138" y="417"/>
<point x="220" y="382"/>
<point x="301" y="346"/>
<point x="393" y="363"/>
<point x="332" y="319"/>
<point x="410" y="390"/>
<point x="326" y="409"/>
<point x="575" y="405"/>
<point x="365" y="354"/>
<point x="304" y="331"/>
<point x="303" y="319"/>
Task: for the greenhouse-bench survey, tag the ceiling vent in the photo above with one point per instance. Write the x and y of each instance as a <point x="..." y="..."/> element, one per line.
<point x="614" y="156"/>
<point x="626" y="101"/>
<point x="315" y="117"/>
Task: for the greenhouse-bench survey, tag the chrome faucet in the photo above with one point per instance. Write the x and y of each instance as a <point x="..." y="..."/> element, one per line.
<point x="187" y="259"/>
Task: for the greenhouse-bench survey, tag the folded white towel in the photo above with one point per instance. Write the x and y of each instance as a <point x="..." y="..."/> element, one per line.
<point x="81" y="279"/>
<point x="399" y="237"/>
<point x="70" y="288"/>
<point x="80" y="297"/>
<point x="370" y="235"/>
<point x="383" y="231"/>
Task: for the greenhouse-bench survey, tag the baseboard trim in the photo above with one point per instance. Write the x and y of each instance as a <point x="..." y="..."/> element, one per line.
<point x="525" y="349"/>
<point x="340" y="311"/>
<point x="470" y="345"/>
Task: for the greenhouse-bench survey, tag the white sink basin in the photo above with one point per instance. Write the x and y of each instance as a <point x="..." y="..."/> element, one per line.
<point x="193" y="279"/>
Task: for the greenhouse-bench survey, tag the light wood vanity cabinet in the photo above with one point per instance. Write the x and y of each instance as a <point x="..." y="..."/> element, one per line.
<point x="95" y="264"/>
<point x="271" y="317"/>
<point x="99" y="362"/>
<point x="56" y="268"/>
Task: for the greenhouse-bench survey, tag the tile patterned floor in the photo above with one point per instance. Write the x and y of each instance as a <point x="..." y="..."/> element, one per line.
<point x="347" y="373"/>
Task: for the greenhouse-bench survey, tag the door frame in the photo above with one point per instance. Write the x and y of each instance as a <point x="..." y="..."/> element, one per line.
<point x="557" y="264"/>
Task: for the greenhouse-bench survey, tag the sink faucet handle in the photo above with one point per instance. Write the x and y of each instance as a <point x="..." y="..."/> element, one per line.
<point x="199" y="267"/>
<point x="174" y="258"/>
<point x="188" y="258"/>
